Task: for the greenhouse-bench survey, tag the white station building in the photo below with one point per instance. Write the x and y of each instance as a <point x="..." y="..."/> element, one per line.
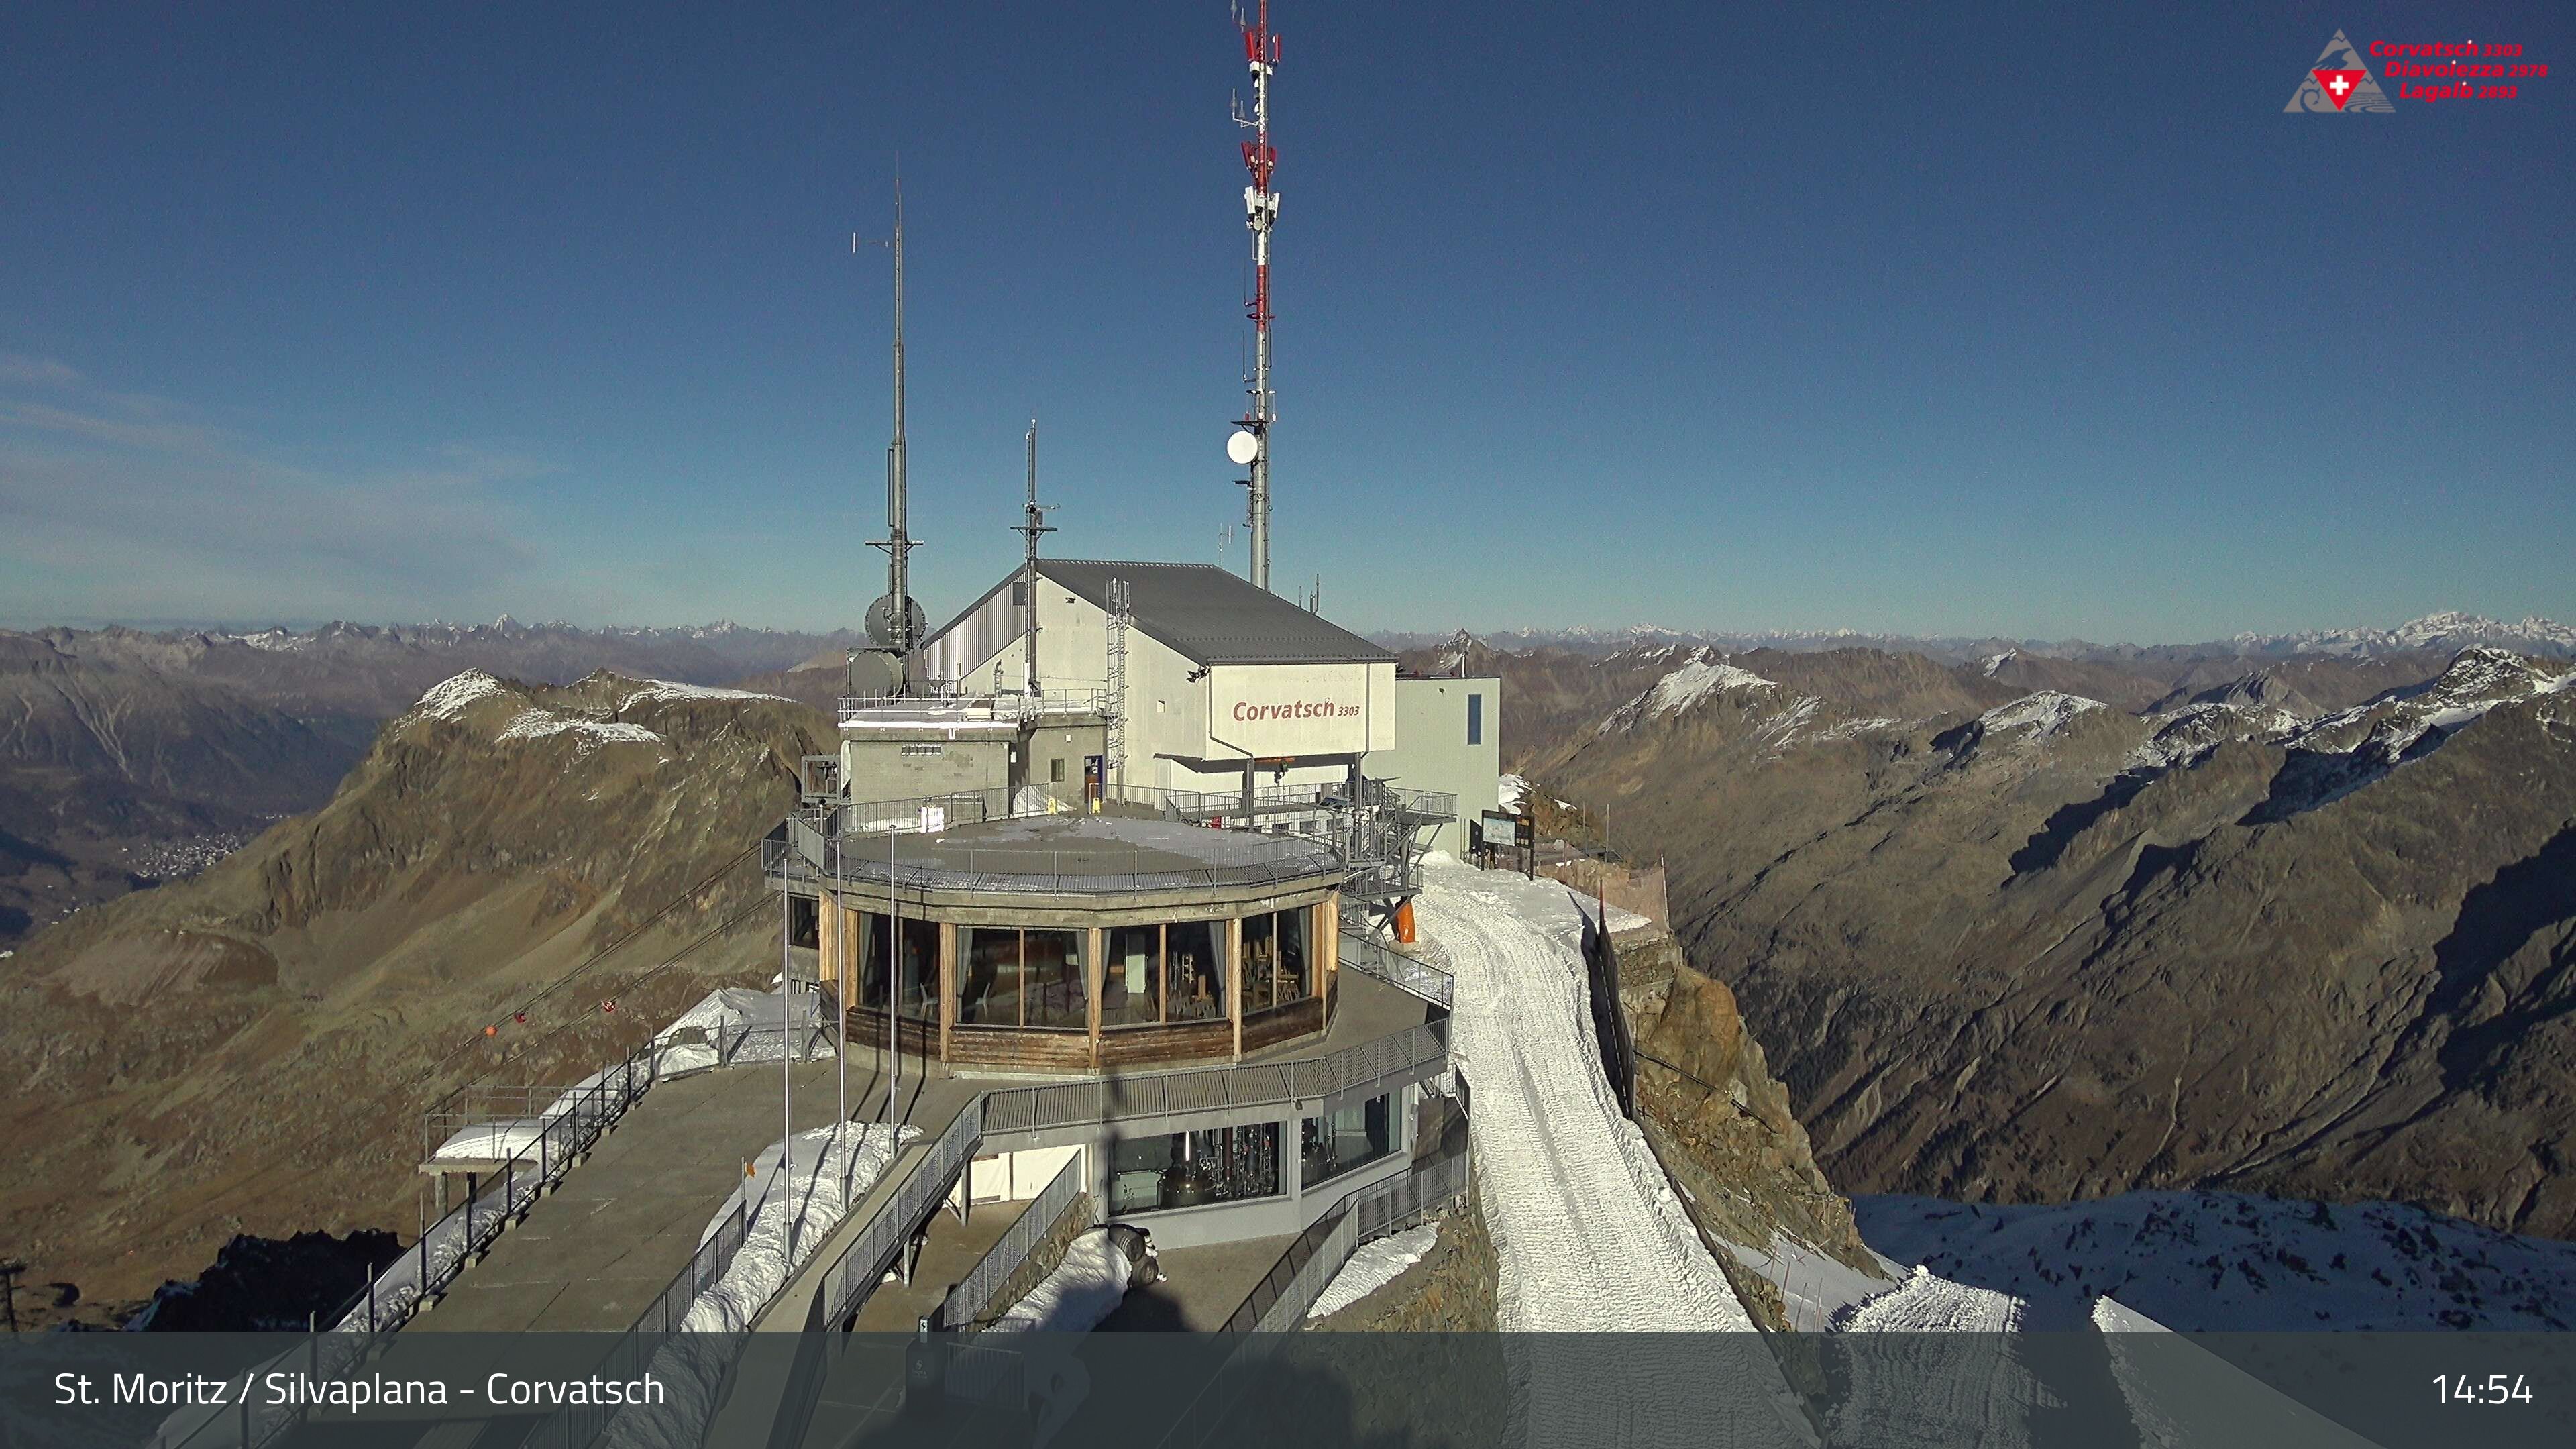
<point x="1219" y="677"/>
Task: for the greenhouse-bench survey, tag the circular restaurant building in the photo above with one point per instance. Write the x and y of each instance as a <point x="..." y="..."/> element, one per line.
<point x="1069" y="943"/>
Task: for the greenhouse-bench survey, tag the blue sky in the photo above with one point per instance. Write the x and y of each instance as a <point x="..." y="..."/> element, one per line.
<point x="2027" y="319"/>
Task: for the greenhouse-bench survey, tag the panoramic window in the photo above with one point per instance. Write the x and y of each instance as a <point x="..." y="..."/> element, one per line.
<point x="1131" y="987"/>
<point x="1340" y="1141"/>
<point x="1193" y="1169"/>
<point x="1274" y="960"/>
<point x="1196" y="956"/>
<point x="988" y="976"/>
<point x="1052" y="980"/>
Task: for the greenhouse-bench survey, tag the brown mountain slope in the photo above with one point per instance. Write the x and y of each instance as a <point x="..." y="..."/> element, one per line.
<point x="249" y="1051"/>
<point x="100" y="759"/>
<point x="2025" y="956"/>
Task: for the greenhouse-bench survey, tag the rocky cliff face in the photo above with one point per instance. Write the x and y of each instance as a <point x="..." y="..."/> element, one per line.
<point x="248" y="1051"/>
<point x="1722" y="1125"/>
<point x="2036" y="948"/>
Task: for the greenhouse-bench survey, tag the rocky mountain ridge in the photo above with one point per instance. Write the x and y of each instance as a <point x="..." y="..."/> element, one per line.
<point x="247" y="1051"/>
<point x="2026" y="946"/>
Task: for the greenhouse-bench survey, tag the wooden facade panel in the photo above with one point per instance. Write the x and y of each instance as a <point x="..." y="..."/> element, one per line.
<point x="1283" y="1024"/>
<point x="921" y="1038"/>
<point x="1173" y="1042"/>
<point x="1015" y="1049"/>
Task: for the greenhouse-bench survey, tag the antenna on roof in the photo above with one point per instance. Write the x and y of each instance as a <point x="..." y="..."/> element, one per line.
<point x="895" y="623"/>
<point x="1033" y="525"/>
<point x="1261" y="213"/>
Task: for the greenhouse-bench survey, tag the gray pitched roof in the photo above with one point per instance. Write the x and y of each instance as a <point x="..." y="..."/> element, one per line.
<point x="1210" y="616"/>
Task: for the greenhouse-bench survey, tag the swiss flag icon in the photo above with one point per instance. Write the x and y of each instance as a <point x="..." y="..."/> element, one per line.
<point x="2339" y="84"/>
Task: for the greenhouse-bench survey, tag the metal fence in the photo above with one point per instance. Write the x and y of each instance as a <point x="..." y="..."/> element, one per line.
<point x="861" y="1266"/>
<point x="1055" y="872"/>
<point x="980" y="705"/>
<point x="1398" y="970"/>
<point x="1202" y="1089"/>
<point x="574" y="1426"/>
<point x="1074" y="1104"/>
<point x="570" y="1120"/>
<point x="1283" y="1297"/>
<point x="971" y="1299"/>
<point x="1281" y="1301"/>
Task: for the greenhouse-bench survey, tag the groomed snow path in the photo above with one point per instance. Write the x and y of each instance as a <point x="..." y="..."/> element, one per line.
<point x="1590" y="1236"/>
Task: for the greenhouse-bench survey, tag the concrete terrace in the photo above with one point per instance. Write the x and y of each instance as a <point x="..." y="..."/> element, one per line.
<point x="594" y="1254"/>
<point x="619" y="1228"/>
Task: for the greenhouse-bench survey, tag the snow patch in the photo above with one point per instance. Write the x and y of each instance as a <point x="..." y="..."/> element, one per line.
<point x="2213" y="1261"/>
<point x="1695" y="681"/>
<point x="538" y="724"/>
<point x="1510" y="791"/>
<point x="789" y="1214"/>
<point x="1086" y="1288"/>
<point x="657" y="691"/>
<point x="1375" y="1265"/>
<point x="452" y="696"/>
<point x="1926" y="1302"/>
<point x="2044" y="714"/>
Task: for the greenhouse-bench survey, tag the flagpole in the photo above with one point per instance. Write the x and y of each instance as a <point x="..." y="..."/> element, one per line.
<point x="786" y="988"/>
<point x="841" y="1009"/>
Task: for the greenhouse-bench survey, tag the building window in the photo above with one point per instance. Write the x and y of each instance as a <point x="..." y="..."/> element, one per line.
<point x="1475" y="719"/>
<point x="1053" y="981"/>
<point x="1019" y="593"/>
<point x="1189" y="1169"/>
<point x="1274" y="961"/>
<point x="1055" y="771"/>
<point x="1340" y="1141"/>
<point x="921" y="749"/>
<point x="916" y="978"/>
<point x="1131" y="987"/>
<point x="988" y="977"/>
<point x="1197" y="955"/>
<point x="1010" y="977"/>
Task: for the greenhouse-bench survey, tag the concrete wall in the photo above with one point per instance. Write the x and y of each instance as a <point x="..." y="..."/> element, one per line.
<point x="878" y="769"/>
<point x="1431" y="750"/>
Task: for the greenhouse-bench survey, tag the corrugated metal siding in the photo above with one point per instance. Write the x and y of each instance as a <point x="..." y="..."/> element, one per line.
<point x="975" y="636"/>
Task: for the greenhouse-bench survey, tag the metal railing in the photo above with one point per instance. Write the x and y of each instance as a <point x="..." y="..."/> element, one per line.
<point x="1283" y="1297"/>
<point x="1413" y="1052"/>
<point x="574" y="1426"/>
<point x="980" y="705"/>
<point x="1204" y="1089"/>
<point x="1313" y="795"/>
<point x="971" y="1299"/>
<point x="861" y="1266"/>
<point x="1398" y="970"/>
<point x="571" y="1120"/>
<point x="1057" y="872"/>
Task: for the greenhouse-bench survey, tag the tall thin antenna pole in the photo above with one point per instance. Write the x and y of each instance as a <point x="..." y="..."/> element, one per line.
<point x="1031" y="527"/>
<point x="898" y="543"/>
<point x="894" y="975"/>
<point x="1261" y="213"/>
<point x="786" y="1082"/>
<point x="840" y="1008"/>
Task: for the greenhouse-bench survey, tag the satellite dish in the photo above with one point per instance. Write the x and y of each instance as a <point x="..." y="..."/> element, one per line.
<point x="881" y="621"/>
<point x="1243" y="447"/>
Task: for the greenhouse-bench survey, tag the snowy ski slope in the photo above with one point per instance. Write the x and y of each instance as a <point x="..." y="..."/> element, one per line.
<point x="1590" y="1236"/>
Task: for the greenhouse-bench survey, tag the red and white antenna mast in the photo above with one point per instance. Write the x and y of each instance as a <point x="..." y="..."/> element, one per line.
<point x="1261" y="213"/>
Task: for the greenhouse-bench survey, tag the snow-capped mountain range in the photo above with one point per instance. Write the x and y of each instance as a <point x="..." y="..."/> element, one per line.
<point x="2444" y="632"/>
